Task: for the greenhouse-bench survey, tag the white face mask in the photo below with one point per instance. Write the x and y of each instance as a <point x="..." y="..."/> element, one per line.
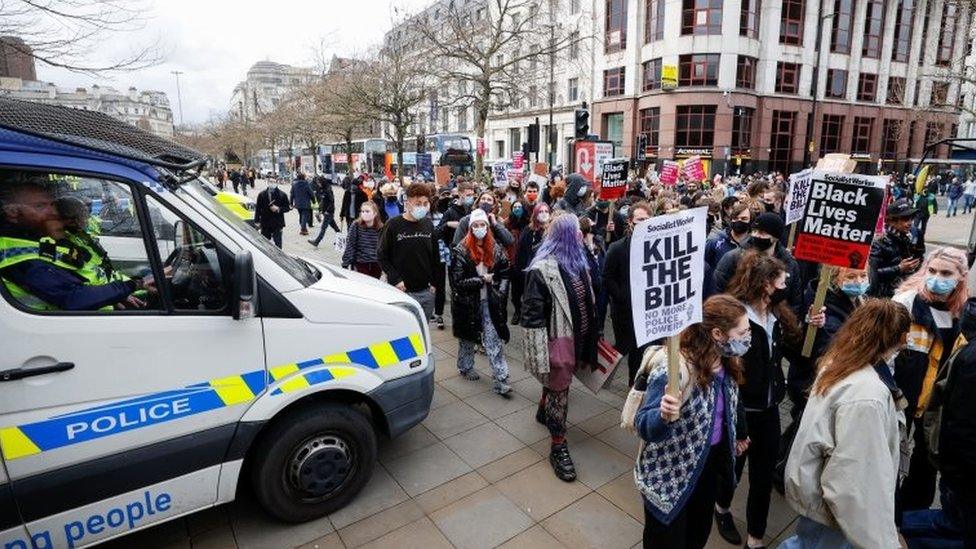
<point x="479" y="232"/>
<point x="367" y="216"/>
<point x="543" y="217"/>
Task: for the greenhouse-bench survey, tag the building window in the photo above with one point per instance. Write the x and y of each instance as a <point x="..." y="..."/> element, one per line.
<point x="873" y="28"/>
<point x="791" y="23"/>
<point x="837" y="83"/>
<point x="926" y="20"/>
<point x="749" y="19"/>
<point x="533" y="96"/>
<point x="701" y="17"/>
<point x="933" y="132"/>
<point x="830" y="132"/>
<point x="462" y="119"/>
<point x="574" y="40"/>
<point x="652" y="75"/>
<point x="903" y="30"/>
<point x="574" y="6"/>
<point x="694" y="126"/>
<point x="650" y="126"/>
<point x="891" y="130"/>
<point x="745" y="72"/>
<point x="616" y="26"/>
<point x="861" y="135"/>
<point x="654" y="20"/>
<point x="896" y="90"/>
<point x="947" y="35"/>
<point x="781" y="141"/>
<point x="613" y="81"/>
<point x="840" y="35"/>
<point x="742" y="130"/>
<point x="534" y="57"/>
<point x="700" y="69"/>
<point x="573" y="93"/>
<point x="787" y="77"/>
<point x="867" y="86"/>
<point x="940" y="94"/>
<point x="613" y="128"/>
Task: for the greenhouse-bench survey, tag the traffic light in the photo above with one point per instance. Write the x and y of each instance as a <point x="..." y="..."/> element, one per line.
<point x="581" y="127"/>
<point x="533" y="138"/>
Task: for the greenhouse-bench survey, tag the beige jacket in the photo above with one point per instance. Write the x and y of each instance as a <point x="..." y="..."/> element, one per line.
<point x="843" y="466"/>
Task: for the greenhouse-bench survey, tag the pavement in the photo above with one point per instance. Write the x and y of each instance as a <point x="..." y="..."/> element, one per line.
<point x="475" y="473"/>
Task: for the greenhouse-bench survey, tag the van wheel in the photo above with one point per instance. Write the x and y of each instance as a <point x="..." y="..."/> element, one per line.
<point x="313" y="462"/>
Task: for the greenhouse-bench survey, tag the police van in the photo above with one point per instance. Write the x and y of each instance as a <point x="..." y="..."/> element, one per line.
<point x="223" y="365"/>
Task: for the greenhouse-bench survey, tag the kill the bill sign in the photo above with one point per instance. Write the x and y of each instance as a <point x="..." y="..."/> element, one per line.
<point x="667" y="269"/>
<point x="840" y="215"/>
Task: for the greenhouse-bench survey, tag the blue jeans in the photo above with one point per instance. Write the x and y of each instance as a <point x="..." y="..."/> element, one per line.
<point x="968" y="203"/>
<point x="938" y="528"/>
<point x="810" y="534"/>
<point x="951" y="210"/>
<point x="304" y="218"/>
<point x="493" y="348"/>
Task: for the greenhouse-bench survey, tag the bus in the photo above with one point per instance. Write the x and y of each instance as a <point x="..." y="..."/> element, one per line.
<point x="368" y="155"/>
<point x="447" y="149"/>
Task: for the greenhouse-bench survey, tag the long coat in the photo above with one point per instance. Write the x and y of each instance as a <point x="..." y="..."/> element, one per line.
<point x="466" y="287"/>
<point x="269" y="220"/>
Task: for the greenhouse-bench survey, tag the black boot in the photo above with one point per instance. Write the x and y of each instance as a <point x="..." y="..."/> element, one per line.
<point x="727" y="529"/>
<point x="561" y="463"/>
<point x="516" y="318"/>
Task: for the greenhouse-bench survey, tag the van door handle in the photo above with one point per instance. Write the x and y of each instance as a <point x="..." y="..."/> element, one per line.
<point x="20" y="373"/>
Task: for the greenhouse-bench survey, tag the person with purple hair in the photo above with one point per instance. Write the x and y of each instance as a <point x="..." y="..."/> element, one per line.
<point x="559" y="318"/>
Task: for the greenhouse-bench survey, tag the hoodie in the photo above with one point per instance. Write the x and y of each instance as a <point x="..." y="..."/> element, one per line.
<point x="572" y="201"/>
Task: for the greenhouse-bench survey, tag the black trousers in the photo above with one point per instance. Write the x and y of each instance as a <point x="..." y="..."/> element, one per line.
<point x="918" y="489"/>
<point x="440" y="288"/>
<point x="518" y="288"/>
<point x="764" y="431"/>
<point x="274" y="236"/>
<point x="691" y="527"/>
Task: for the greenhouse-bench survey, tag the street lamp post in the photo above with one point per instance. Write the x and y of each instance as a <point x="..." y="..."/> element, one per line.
<point x="808" y="150"/>
<point x="179" y="95"/>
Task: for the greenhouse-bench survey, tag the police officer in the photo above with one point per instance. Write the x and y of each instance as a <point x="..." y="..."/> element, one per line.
<point x="897" y="254"/>
<point x="40" y="267"/>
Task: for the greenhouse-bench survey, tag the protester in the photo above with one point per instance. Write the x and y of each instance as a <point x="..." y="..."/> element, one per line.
<point x="387" y="203"/>
<point x="969" y="195"/>
<point x="954" y="193"/>
<point x="528" y="243"/>
<point x="843" y="468"/>
<point x="764" y="238"/>
<point x="609" y="229"/>
<point x="302" y="198"/>
<point x="927" y="206"/>
<point x="326" y="199"/>
<point x="578" y="196"/>
<point x="487" y="204"/>
<point x="690" y="441"/>
<point x="950" y="429"/>
<point x="407" y="250"/>
<point x="442" y="206"/>
<point x="760" y="282"/>
<point x="479" y="283"/>
<point x="559" y="317"/>
<point x="531" y="197"/>
<point x="935" y="297"/>
<point x="616" y="282"/>
<point x="897" y="254"/>
<point x="352" y="200"/>
<point x="596" y="255"/>
<point x="460" y="207"/>
<point x="362" y="241"/>
<point x="738" y="223"/>
<point x="269" y="212"/>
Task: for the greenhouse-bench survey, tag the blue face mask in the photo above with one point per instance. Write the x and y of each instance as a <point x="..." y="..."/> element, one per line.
<point x="468" y="200"/>
<point x="517" y="212"/>
<point x="479" y="232"/>
<point x="855" y="289"/>
<point x="736" y="347"/>
<point x="419" y="212"/>
<point x="940" y="286"/>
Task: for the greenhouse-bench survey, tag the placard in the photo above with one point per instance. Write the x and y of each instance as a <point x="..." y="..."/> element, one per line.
<point x="541" y="168"/>
<point x="518" y="160"/>
<point x="442" y="174"/>
<point x="499" y="174"/>
<point x="839" y="219"/>
<point x="613" y="183"/>
<point x="796" y="196"/>
<point x="694" y="169"/>
<point x="667" y="269"/>
<point x="669" y="173"/>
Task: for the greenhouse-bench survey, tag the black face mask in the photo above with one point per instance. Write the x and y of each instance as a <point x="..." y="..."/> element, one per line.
<point x="777" y="297"/>
<point x="771" y="208"/>
<point x="761" y="243"/>
<point x="740" y="227"/>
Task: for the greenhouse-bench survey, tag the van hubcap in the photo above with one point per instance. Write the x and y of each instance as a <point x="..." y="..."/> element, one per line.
<point x="320" y="466"/>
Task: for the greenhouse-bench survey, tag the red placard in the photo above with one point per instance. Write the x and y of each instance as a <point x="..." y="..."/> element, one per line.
<point x="613" y="182"/>
<point x="669" y="173"/>
<point x="694" y="169"/>
<point x="585" y="154"/>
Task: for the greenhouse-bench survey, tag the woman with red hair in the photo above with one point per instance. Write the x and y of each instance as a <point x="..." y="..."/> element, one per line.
<point x="479" y="291"/>
<point x="935" y="297"/>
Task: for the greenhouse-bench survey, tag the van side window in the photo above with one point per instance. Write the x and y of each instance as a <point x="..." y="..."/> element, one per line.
<point x="72" y="243"/>
<point x="197" y="270"/>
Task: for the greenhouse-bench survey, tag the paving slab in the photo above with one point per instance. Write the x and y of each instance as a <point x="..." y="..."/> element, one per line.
<point x="420" y="534"/>
<point x="483" y="444"/>
<point x="482" y="520"/>
<point x="594" y="522"/>
<point x="380" y="524"/>
<point x="420" y="471"/>
<point x="538" y="492"/>
<point x="509" y="465"/>
<point x="451" y="491"/>
<point x="381" y="492"/>
<point x="453" y="418"/>
<point x="533" y="538"/>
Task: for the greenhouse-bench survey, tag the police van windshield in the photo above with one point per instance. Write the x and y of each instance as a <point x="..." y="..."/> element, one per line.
<point x="301" y="270"/>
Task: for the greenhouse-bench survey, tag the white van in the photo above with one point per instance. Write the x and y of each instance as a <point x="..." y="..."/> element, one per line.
<point x="242" y="366"/>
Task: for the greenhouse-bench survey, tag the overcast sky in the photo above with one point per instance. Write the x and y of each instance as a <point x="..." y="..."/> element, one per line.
<point x="214" y="42"/>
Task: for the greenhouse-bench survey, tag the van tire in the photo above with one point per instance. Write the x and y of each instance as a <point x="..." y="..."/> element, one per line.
<point x="326" y="432"/>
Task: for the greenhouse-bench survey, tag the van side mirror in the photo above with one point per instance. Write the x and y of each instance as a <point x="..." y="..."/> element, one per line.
<point x="245" y="286"/>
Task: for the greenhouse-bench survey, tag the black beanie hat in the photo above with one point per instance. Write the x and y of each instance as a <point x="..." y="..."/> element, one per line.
<point x="770" y="223"/>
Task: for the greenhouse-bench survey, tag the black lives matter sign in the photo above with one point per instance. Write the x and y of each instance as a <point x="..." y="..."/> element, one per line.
<point x="613" y="183"/>
<point x="667" y="268"/>
<point x="839" y="219"/>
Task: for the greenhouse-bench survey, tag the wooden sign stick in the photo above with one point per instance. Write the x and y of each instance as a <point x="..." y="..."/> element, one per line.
<point x="826" y="273"/>
<point x="674" y="370"/>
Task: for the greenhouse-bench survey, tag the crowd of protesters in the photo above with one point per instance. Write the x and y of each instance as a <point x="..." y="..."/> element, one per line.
<point x="883" y="410"/>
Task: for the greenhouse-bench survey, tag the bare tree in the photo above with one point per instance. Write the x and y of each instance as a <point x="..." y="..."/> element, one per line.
<point x="387" y="89"/>
<point x="61" y="33"/>
<point x="486" y="48"/>
<point x="339" y="121"/>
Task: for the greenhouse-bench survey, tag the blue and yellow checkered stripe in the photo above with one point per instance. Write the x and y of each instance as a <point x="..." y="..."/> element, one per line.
<point x="137" y="413"/>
